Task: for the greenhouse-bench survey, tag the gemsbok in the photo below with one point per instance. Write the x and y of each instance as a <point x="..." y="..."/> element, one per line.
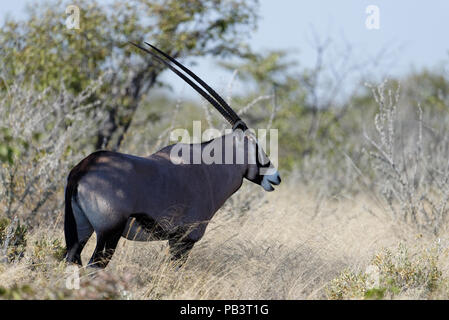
<point x="163" y="196"/>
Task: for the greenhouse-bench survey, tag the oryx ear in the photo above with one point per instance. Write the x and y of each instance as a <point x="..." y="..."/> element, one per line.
<point x="240" y="125"/>
<point x="239" y="135"/>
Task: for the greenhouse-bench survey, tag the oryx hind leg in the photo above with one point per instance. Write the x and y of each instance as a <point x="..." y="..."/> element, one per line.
<point x="105" y="248"/>
<point x="84" y="230"/>
<point x="74" y="253"/>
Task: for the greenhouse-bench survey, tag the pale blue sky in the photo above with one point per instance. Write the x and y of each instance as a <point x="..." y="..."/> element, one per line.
<point x="414" y="32"/>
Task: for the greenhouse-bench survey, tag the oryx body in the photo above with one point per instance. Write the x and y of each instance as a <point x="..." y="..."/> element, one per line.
<point x="166" y="196"/>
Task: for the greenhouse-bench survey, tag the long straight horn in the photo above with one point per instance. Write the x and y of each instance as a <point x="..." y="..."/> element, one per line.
<point x="212" y="101"/>
<point x="211" y="91"/>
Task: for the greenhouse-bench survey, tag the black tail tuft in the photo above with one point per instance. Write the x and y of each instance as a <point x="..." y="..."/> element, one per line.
<point x="70" y="230"/>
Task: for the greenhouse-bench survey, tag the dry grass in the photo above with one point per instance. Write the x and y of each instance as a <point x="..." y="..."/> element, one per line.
<point x="318" y="236"/>
<point x="285" y="246"/>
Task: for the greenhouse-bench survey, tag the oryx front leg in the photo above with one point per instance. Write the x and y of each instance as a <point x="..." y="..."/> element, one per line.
<point x="180" y="249"/>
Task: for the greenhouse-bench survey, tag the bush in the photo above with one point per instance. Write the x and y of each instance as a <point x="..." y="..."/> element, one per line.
<point x="58" y="128"/>
<point x="393" y="274"/>
<point x="12" y="240"/>
<point x="16" y="292"/>
<point x="45" y="249"/>
<point x="409" y="166"/>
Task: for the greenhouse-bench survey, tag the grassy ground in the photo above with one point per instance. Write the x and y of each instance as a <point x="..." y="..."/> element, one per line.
<point x="282" y="245"/>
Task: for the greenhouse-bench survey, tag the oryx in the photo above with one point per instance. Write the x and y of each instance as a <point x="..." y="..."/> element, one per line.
<point x="155" y="198"/>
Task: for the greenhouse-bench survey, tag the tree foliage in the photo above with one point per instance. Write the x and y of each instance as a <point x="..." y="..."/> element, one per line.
<point x="42" y="48"/>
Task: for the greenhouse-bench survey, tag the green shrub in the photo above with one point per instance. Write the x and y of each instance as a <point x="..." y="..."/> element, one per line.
<point x="12" y="240"/>
<point x="397" y="273"/>
<point x="45" y="250"/>
<point x="16" y="292"/>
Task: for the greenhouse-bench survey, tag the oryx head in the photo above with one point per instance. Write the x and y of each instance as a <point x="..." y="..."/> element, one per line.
<point x="259" y="168"/>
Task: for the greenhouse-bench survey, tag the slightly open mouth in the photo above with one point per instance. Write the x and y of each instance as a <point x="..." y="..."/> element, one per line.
<point x="275" y="179"/>
<point x="270" y="180"/>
